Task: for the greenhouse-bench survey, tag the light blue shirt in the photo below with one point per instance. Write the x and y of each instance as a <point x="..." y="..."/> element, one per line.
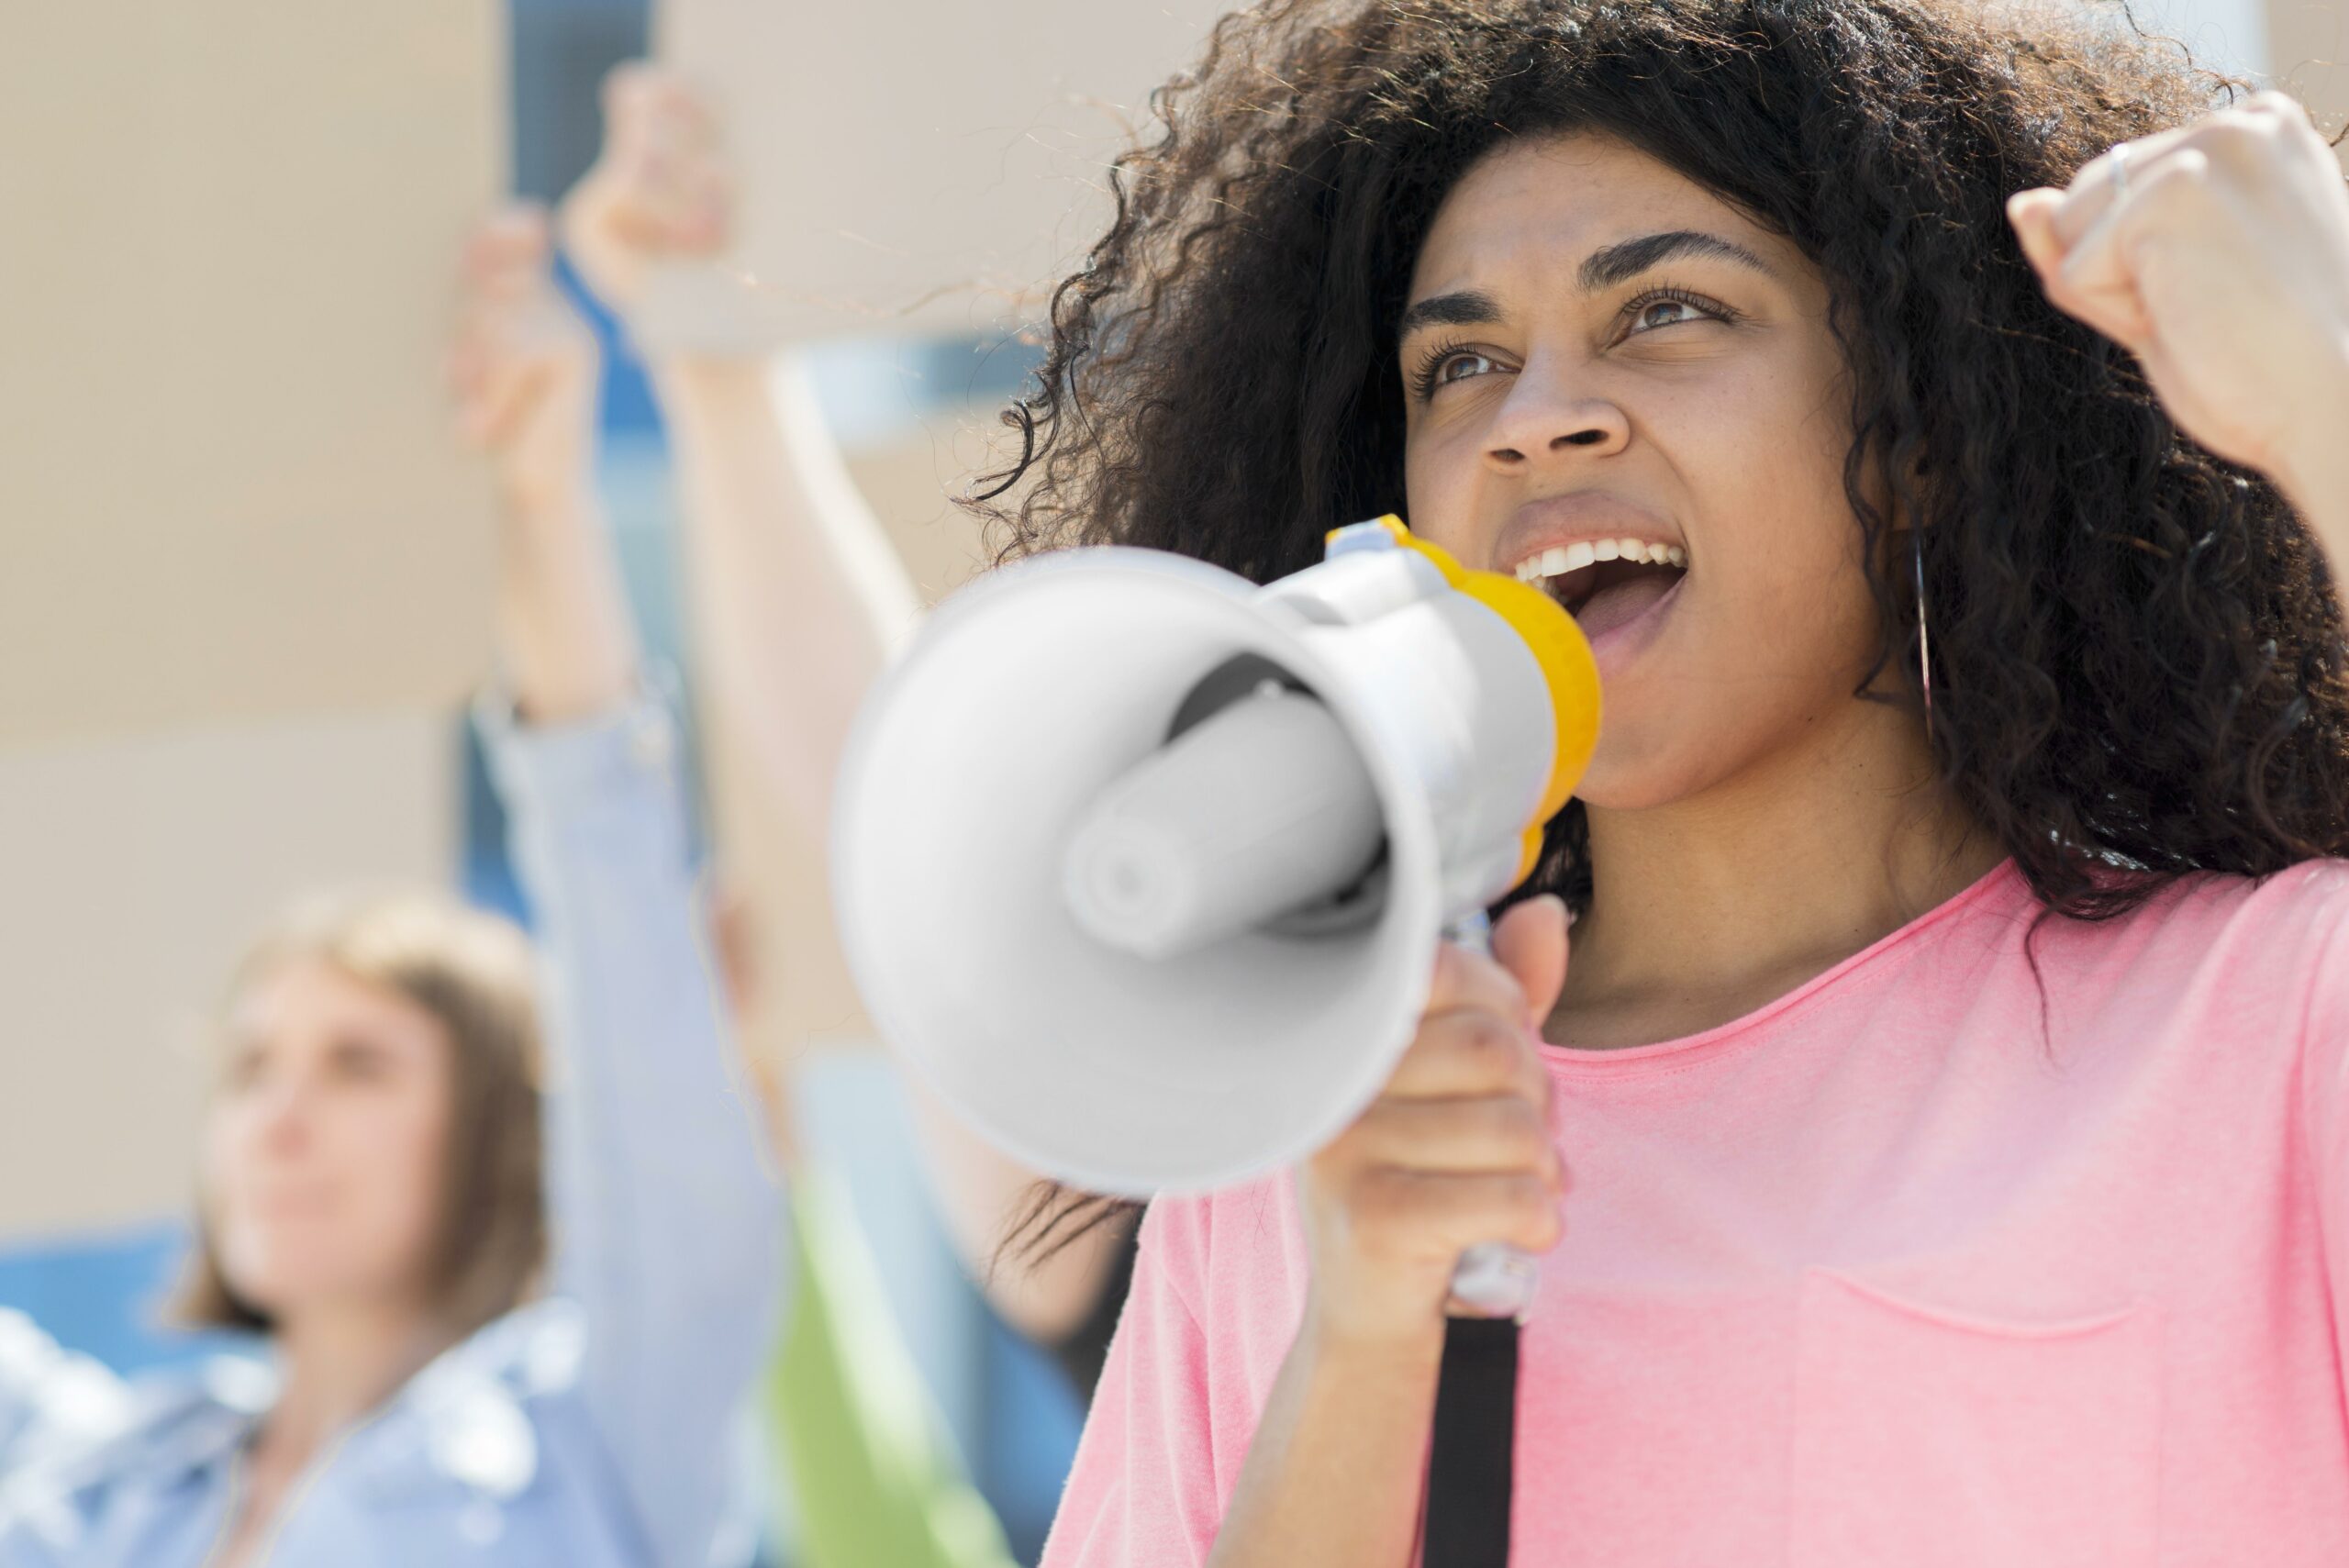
<point x="593" y="1429"/>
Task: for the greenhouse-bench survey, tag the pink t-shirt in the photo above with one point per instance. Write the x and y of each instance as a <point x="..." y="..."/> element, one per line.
<point x="1880" y="1274"/>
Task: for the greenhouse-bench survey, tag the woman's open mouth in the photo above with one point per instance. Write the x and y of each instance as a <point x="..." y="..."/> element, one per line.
<point x="1607" y="583"/>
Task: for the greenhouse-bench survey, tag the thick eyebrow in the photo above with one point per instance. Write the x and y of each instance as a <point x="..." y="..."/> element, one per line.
<point x="1626" y="258"/>
<point x="1468" y="308"/>
<point x="1603" y="267"/>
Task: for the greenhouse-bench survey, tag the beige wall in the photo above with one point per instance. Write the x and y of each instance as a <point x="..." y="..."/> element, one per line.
<point x="243" y="571"/>
<point x="917" y="166"/>
<point x="230" y="488"/>
<point x="2308" y="52"/>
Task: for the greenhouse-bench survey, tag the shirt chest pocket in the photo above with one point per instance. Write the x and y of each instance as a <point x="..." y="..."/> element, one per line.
<point x="1930" y="1438"/>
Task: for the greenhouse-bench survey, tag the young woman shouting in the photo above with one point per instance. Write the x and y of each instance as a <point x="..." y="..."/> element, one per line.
<point x="1933" y="412"/>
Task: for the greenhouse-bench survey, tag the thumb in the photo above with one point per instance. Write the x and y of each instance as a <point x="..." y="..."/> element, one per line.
<point x="1531" y="943"/>
<point x="2031" y="214"/>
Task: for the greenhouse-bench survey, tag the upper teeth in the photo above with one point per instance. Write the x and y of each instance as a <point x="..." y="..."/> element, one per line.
<point x="1563" y="558"/>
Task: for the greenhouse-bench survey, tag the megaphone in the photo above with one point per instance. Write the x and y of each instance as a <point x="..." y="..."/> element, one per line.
<point x="1144" y="865"/>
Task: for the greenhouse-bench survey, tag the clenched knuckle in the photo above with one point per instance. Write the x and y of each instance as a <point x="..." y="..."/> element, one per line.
<point x="1383" y="1200"/>
<point x="1491" y="1043"/>
<point x="1511" y="1128"/>
<point x="2238" y="135"/>
<point x="1535" y="1213"/>
<point x="2283" y="104"/>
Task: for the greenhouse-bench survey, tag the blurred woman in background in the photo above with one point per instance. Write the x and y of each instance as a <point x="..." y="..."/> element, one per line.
<point x="385" y="1180"/>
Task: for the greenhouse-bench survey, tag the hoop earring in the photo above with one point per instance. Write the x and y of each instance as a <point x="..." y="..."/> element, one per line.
<point x="1924" y="653"/>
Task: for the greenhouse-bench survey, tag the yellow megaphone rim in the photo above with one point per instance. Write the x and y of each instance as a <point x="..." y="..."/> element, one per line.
<point x="1567" y="667"/>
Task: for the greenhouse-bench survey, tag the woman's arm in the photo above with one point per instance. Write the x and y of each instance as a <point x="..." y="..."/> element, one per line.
<point x="667" y="1224"/>
<point x="2218" y="254"/>
<point x="799" y="598"/>
<point x="1455" y="1150"/>
<point x="984" y="1194"/>
<point x="2316" y="480"/>
<point x="1336" y="1469"/>
<point x="523" y="372"/>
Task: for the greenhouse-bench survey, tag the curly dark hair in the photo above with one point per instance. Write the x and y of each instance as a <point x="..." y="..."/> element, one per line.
<point x="2138" y="659"/>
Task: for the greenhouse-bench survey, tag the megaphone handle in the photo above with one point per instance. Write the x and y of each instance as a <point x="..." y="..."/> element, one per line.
<point x="1472" y="1451"/>
<point x="1492" y="1278"/>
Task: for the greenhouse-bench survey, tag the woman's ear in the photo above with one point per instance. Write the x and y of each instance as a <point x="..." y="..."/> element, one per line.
<point x="1912" y="483"/>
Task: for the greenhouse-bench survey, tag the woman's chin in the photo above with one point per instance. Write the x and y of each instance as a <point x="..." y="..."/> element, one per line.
<point x="1630" y="773"/>
<point x="264" y="1292"/>
<point x="279" y="1283"/>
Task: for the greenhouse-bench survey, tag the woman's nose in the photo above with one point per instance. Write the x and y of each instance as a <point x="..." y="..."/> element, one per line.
<point x="281" y="1115"/>
<point x="1544" y="420"/>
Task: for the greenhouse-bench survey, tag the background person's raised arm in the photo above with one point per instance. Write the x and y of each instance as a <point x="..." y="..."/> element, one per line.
<point x="667" y="1223"/>
<point x="799" y="599"/>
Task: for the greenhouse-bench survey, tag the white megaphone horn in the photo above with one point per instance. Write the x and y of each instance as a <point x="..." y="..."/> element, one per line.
<point x="1144" y="865"/>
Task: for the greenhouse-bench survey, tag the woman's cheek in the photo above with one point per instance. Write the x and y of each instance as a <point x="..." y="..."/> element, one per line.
<point x="412" y="1146"/>
<point x="1438" y="493"/>
<point x="224" y="1156"/>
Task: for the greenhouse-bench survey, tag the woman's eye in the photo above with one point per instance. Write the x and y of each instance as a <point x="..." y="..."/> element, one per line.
<point x="1461" y="366"/>
<point x="1672" y="310"/>
<point x="1665" y="313"/>
<point x="1444" y="363"/>
<point x="358" y="1063"/>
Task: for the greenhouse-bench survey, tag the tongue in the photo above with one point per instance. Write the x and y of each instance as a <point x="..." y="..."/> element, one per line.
<point x="1619" y="603"/>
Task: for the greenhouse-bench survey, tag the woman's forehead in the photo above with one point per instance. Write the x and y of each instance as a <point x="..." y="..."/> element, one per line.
<point x="302" y="994"/>
<point x="1534" y="204"/>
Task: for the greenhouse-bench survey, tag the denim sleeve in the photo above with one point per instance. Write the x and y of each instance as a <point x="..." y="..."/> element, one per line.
<point x="51" y="1399"/>
<point x="667" y="1221"/>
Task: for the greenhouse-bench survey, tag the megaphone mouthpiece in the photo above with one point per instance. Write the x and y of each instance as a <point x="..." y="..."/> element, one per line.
<point x="1259" y="810"/>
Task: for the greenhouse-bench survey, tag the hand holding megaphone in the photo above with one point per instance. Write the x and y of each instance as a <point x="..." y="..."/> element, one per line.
<point x="1455" y="1154"/>
<point x="1142" y="865"/>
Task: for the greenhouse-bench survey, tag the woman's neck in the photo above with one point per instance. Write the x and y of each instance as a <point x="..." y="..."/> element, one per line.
<point x="339" y="1363"/>
<point x="1709" y="907"/>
